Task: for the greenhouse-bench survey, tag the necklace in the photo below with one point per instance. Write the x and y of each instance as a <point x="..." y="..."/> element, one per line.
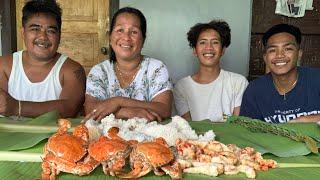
<point x="122" y="74"/>
<point x="285" y="90"/>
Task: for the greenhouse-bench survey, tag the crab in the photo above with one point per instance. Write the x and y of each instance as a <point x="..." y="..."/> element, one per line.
<point x="111" y="152"/>
<point x="156" y="156"/>
<point x="67" y="152"/>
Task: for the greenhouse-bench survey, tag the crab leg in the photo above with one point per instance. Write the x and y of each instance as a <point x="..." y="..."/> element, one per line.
<point x="139" y="169"/>
<point x="174" y="171"/>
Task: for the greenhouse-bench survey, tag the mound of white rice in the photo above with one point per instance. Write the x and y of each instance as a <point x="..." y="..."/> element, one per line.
<point x="139" y="129"/>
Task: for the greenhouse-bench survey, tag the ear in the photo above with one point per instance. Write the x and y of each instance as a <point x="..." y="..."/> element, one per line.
<point x="223" y="51"/>
<point x="300" y="54"/>
<point x="194" y="52"/>
<point x="22" y="32"/>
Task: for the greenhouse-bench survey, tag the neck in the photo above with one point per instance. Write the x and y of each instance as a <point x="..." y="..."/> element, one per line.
<point x="128" y="66"/>
<point x="34" y="61"/>
<point x="285" y="83"/>
<point x="206" y="75"/>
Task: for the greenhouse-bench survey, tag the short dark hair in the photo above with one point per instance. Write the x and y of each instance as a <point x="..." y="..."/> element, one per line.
<point x="130" y="10"/>
<point x="50" y="7"/>
<point x="220" y="26"/>
<point x="280" y="28"/>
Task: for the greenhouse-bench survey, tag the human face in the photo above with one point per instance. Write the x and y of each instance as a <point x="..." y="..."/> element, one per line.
<point x="126" y="38"/>
<point x="41" y="36"/>
<point x="282" y="53"/>
<point x="209" y="48"/>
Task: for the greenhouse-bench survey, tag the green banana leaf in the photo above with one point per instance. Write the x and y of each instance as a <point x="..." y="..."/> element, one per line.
<point x="294" y="167"/>
<point x="262" y="142"/>
<point x="28" y="170"/>
<point x="226" y="133"/>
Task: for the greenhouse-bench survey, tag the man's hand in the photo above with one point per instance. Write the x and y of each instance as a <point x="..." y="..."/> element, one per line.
<point x="8" y="105"/>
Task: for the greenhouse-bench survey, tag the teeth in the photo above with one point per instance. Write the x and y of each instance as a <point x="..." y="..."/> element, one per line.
<point x="125" y="46"/>
<point x="280" y="63"/>
<point x="207" y="55"/>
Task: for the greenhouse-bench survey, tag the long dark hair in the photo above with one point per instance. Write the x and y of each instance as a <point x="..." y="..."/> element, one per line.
<point x="130" y="10"/>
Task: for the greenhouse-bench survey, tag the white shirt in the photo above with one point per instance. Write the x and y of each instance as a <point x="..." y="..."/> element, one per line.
<point x="151" y="79"/>
<point x="210" y="101"/>
<point x="21" y="88"/>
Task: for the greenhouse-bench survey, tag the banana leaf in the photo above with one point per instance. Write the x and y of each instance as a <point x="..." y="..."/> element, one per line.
<point x="296" y="167"/>
<point x="263" y="142"/>
<point x="28" y="170"/>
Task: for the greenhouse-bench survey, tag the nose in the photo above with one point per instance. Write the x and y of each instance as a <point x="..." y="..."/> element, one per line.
<point x="208" y="45"/>
<point x="279" y="53"/>
<point x="43" y="34"/>
<point x="126" y="35"/>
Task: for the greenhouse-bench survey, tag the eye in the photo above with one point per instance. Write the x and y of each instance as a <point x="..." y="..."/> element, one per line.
<point x="35" y="28"/>
<point x="288" y="49"/>
<point x="52" y="31"/>
<point x="271" y="50"/>
<point x="134" y="32"/>
<point x="216" y="42"/>
<point x="119" y="30"/>
<point x="202" y="42"/>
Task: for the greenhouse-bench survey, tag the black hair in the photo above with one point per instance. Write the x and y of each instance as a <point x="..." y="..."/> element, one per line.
<point x="279" y="28"/>
<point x="220" y="26"/>
<point x="130" y="10"/>
<point x="49" y="7"/>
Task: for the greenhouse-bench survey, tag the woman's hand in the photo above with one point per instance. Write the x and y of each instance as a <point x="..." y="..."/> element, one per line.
<point x="101" y="109"/>
<point x="131" y="112"/>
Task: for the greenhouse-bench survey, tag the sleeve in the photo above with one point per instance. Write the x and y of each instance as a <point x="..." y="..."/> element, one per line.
<point x="249" y="106"/>
<point x="180" y="100"/>
<point x="239" y="90"/>
<point x="159" y="81"/>
<point x="97" y="80"/>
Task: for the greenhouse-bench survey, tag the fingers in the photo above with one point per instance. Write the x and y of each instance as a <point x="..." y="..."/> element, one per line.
<point x="156" y="116"/>
<point x="91" y="115"/>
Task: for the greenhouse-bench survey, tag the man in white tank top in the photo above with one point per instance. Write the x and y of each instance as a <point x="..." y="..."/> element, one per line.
<point x="40" y="79"/>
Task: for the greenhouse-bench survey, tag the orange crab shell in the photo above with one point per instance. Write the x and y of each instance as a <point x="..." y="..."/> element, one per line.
<point x="157" y="154"/>
<point x="104" y="148"/>
<point x="67" y="147"/>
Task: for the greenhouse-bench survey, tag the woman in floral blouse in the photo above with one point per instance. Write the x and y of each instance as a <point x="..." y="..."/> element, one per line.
<point x="129" y="84"/>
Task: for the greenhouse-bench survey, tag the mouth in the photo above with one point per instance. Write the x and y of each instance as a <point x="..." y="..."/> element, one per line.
<point x="125" y="46"/>
<point x="280" y="63"/>
<point x="42" y="44"/>
<point x="208" y="54"/>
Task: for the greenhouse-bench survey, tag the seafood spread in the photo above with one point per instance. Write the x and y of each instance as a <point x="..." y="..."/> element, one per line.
<point x="213" y="158"/>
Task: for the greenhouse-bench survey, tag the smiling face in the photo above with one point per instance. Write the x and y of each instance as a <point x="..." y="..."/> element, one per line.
<point x="209" y="48"/>
<point x="282" y="53"/>
<point x="41" y="37"/>
<point x="126" y="38"/>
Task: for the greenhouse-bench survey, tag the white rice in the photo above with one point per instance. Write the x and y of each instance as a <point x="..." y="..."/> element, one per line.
<point x="139" y="129"/>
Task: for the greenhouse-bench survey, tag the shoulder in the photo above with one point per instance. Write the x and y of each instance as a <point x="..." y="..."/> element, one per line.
<point x="70" y="66"/>
<point x="154" y="63"/>
<point x="6" y="63"/>
<point x="233" y="75"/>
<point x="103" y="67"/>
<point x="259" y="84"/>
<point x="309" y="72"/>
<point x="183" y="81"/>
<point x="233" y="78"/>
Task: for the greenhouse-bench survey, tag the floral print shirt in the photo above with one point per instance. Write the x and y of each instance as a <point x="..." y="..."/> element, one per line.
<point x="151" y="80"/>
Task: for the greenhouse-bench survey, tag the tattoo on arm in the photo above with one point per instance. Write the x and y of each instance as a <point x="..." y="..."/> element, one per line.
<point x="80" y="74"/>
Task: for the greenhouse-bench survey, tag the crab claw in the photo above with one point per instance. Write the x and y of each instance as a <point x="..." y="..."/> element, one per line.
<point x="64" y="125"/>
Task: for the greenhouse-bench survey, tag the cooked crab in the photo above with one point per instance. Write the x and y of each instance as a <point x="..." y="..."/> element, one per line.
<point x="67" y="152"/>
<point x="112" y="152"/>
<point x="156" y="156"/>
